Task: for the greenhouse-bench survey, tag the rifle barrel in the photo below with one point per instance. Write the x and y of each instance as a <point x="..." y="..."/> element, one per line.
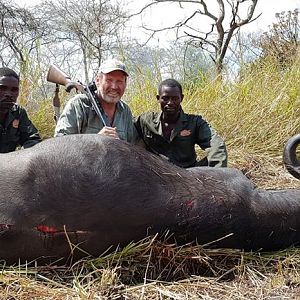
<point x="95" y="105"/>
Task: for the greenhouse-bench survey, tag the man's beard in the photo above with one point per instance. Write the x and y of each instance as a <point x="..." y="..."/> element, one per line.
<point x="110" y="99"/>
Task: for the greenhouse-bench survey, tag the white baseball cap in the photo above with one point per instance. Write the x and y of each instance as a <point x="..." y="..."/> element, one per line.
<point x="110" y="65"/>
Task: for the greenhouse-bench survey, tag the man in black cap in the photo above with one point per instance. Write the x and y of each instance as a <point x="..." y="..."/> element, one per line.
<point x="15" y="127"/>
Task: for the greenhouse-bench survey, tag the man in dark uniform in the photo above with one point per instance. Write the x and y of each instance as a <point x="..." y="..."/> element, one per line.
<point x="15" y="127"/>
<point x="173" y="134"/>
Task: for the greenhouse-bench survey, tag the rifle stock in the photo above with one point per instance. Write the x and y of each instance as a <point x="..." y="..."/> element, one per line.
<point x="55" y="75"/>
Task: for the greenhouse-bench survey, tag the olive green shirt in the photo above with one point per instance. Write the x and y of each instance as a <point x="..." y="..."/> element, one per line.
<point x="79" y="116"/>
<point x="180" y="149"/>
<point x="17" y="130"/>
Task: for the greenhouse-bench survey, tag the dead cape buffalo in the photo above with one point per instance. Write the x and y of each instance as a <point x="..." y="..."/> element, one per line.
<point x="95" y="192"/>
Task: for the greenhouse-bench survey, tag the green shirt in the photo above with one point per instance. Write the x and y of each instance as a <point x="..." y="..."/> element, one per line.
<point x="79" y="116"/>
<point x="17" y="130"/>
<point x="180" y="149"/>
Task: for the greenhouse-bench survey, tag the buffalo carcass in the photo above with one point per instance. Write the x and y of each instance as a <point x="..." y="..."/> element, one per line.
<point x="90" y="193"/>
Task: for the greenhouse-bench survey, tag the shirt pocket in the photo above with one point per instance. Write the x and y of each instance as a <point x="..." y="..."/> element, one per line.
<point x="13" y="135"/>
<point x="184" y="139"/>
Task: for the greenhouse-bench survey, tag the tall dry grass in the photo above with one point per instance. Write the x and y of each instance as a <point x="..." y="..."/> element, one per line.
<point x="256" y="114"/>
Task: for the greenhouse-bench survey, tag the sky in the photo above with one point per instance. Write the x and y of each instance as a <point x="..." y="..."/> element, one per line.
<point x="166" y="14"/>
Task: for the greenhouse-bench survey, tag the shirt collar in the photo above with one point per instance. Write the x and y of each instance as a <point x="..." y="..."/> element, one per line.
<point x="11" y="115"/>
<point x="182" y="117"/>
<point x="157" y="118"/>
<point x="120" y="105"/>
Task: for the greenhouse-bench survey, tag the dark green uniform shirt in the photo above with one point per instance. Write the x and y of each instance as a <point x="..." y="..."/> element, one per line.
<point x="17" y="130"/>
<point x="180" y="149"/>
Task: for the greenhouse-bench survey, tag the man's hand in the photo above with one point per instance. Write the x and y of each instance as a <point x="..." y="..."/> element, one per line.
<point x="74" y="85"/>
<point x="109" y="131"/>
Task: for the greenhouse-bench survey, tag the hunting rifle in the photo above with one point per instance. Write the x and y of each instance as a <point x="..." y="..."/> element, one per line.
<point x="55" y="75"/>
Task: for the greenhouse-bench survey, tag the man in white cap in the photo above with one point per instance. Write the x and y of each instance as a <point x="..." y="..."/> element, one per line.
<point x="79" y="115"/>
